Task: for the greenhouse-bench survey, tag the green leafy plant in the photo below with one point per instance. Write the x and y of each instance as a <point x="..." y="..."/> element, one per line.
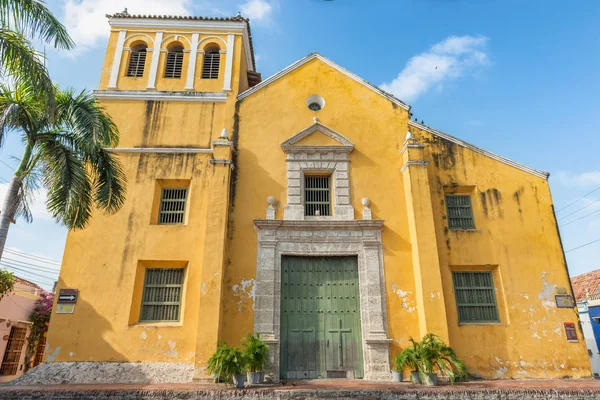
<point x="40" y="318"/>
<point x="226" y="362"/>
<point x="256" y="352"/>
<point x="433" y="355"/>
<point x="7" y="282"/>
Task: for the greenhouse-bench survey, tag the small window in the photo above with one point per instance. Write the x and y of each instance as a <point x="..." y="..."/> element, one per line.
<point x="210" y="68"/>
<point x="12" y="354"/>
<point x="137" y="61"/>
<point x="161" y="300"/>
<point x="317" y="195"/>
<point x="460" y="212"/>
<point x="172" y="206"/>
<point x="174" y="62"/>
<point x="475" y="297"/>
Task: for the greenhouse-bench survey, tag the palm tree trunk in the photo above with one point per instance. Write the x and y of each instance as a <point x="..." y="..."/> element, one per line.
<point x="8" y="210"/>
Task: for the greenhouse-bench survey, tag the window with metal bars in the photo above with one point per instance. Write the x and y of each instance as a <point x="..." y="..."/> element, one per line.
<point x="39" y="351"/>
<point x="475" y="297"/>
<point x="137" y="61"/>
<point x="210" y="66"/>
<point x="12" y="354"/>
<point x="161" y="299"/>
<point x="174" y="62"/>
<point x="459" y="211"/>
<point x="317" y="195"/>
<point x="172" y="206"/>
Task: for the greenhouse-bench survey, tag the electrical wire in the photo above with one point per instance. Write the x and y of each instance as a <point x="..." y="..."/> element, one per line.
<point x="575" y="220"/>
<point x="36" y="258"/>
<point x="581" y="198"/>
<point x="34" y="267"/>
<point x="34" y="271"/>
<point x="583" y="245"/>
<point x="579" y="209"/>
<point x="7" y="165"/>
<point x="38" y="277"/>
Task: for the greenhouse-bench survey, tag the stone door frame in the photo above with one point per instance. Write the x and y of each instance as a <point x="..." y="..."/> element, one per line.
<point x="277" y="238"/>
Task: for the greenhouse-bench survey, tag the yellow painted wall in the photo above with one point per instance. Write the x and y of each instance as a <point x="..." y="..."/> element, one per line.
<point x="516" y="232"/>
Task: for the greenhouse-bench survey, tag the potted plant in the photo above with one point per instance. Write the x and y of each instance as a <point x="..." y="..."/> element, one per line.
<point x="409" y="357"/>
<point x="228" y="363"/>
<point x="257" y="353"/>
<point x="435" y="355"/>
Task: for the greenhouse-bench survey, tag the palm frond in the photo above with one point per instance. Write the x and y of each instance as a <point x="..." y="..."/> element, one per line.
<point x="109" y="181"/>
<point x="33" y="18"/>
<point x="21" y="62"/>
<point x="82" y="113"/>
<point x="26" y="195"/>
<point x="69" y="187"/>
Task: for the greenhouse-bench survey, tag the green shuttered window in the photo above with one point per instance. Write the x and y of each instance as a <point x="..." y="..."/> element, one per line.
<point x="460" y="212"/>
<point x="475" y="297"/>
<point x="317" y="195"/>
<point x="161" y="300"/>
<point x="172" y="206"/>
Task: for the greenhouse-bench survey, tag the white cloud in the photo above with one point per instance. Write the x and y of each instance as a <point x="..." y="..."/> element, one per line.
<point x="86" y="22"/>
<point x="37" y="206"/>
<point x="256" y="10"/>
<point x="589" y="178"/>
<point x="449" y="59"/>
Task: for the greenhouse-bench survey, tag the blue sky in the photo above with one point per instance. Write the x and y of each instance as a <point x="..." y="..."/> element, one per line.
<point x="517" y="78"/>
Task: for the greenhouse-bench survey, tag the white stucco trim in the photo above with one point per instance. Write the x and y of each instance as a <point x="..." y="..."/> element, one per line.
<point x="346" y="145"/>
<point x="191" y="73"/>
<point x="479" y="150"/>
<point x="360" y="238"/>
<point x="177" y="150"/>
<point x="228" y="62"/>
<point x="157" y="23"/>
<point x="216" y="97"/>
<point x="155" y="59"/>
<point x="116" y="65"/>
<point x="327" y="61"/>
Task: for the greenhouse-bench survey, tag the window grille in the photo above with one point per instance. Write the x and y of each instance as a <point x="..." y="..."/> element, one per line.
<point x="460" y="212"/>
<point x="161" y="299"/>
<point x="12" y="354"/>
<point x="39" y="351"/>
<point x="210" y="67"/>
<point x="475" y="297"/>
<point x="137" y="61"/>
<point x="172" y="206"/>
<point x="174" y="63"/>
<point x="317" y="195"/>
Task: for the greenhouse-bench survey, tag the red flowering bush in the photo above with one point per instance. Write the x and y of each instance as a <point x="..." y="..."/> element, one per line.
<point x="40" y="316"/>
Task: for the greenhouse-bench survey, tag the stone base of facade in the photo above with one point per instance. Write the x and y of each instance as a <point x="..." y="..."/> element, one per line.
<point x="56" y="373"/>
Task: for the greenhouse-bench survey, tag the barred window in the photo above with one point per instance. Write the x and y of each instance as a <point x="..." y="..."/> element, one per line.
<point x="172" y="206"/>
<point x="210" y="67"/>
<point x="161" y="300"/>
<point x="12" y="354"/>
<point x="475" y="297"/>
<point x="317" y="195"/>
<point x="460" y="212"/>
<point x="137" y="61"/>
<point x="174" y="62"/>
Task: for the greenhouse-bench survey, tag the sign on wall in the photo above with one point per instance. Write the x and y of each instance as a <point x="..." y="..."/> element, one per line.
<point x="66" y="301"/>
<point x="564" y="301"/>
<point x="571" y="332"/>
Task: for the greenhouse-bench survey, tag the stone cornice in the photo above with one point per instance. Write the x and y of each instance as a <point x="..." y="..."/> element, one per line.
<point x="212" y="97"/>
<point x="319" y="225"/>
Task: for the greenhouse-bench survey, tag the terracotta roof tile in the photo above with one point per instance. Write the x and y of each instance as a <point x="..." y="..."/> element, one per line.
<point x="585" y="283"/>
<point x="237" y="18"/>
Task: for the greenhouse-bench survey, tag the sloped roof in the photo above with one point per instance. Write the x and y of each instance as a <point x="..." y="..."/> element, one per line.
<point x="237" y="18"/>
<point x="585" y="283"/>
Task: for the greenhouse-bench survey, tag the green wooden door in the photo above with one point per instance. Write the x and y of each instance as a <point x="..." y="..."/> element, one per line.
<point x="320" y="318"/>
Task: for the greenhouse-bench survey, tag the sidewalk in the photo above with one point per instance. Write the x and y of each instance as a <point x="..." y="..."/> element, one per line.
<point x="318" y="389"/>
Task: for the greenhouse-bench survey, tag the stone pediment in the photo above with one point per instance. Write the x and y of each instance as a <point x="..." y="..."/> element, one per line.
<point x="317" y="138"/>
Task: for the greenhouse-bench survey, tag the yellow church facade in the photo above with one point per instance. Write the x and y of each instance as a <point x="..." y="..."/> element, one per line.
<point x="307" y="207"/>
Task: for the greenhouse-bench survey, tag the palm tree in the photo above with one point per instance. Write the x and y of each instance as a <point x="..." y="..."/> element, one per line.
<point x="20" y="22"/>
<point x="65" y="152"/>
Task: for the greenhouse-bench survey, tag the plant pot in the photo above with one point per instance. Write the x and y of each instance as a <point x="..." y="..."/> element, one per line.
<point x="261" y="378"/>
<point x="253" y="378"/>
<point x="239" y="380"/>
<point x="396" y="376"/>
<point x="430" y="379"/>
<point x="415" y="377"/>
